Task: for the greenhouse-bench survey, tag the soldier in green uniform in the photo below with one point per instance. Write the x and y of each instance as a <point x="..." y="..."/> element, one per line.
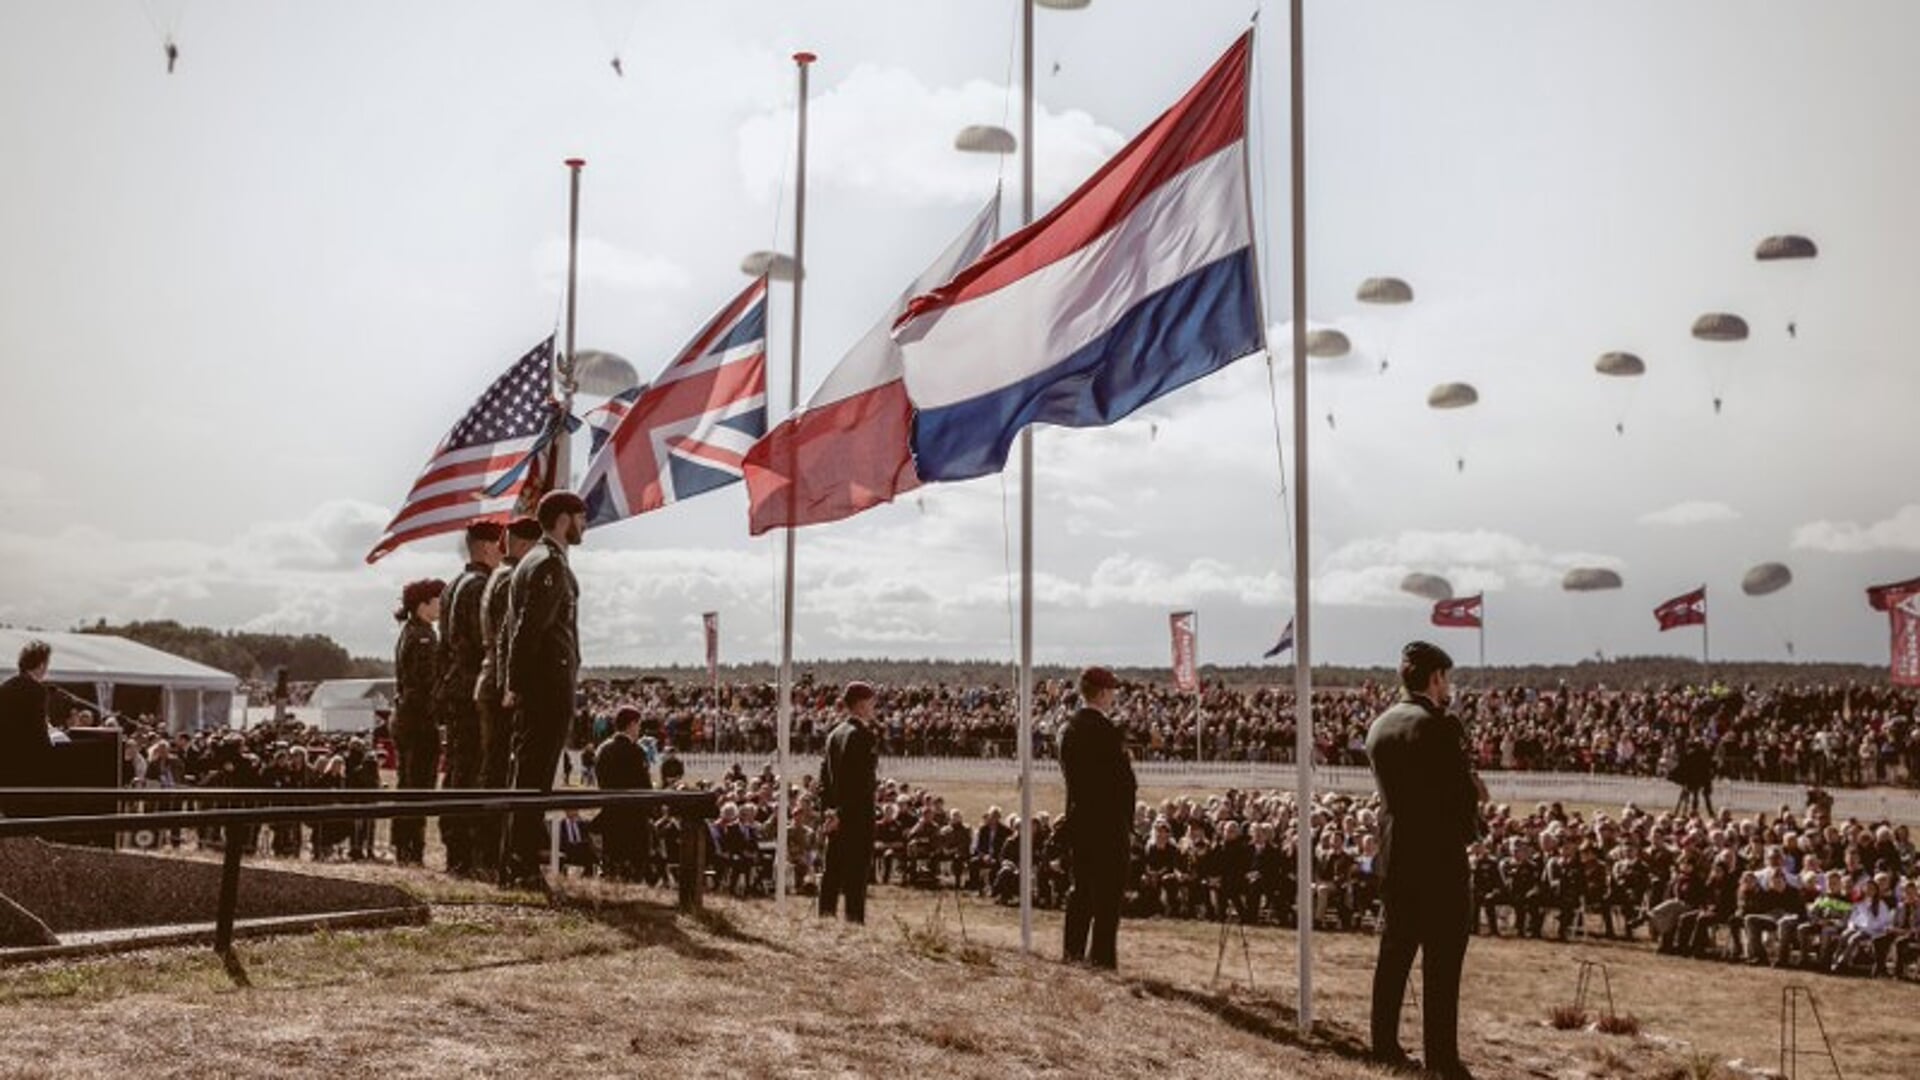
<point x="461" y="652"/>
<point x="416" y="738"/>
<point x="496" y="721"/>
<point x="543" y="660"/>
<point x="1430" y="813"/>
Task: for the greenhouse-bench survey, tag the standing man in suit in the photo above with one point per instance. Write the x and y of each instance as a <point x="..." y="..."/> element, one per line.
<point x="846" y="788"/>
<point x="543" y="661"/>
<point x="25" y="746"/>
<point x="1099" y="821"/>
<point x="622" y="766"/>
<point x="1430" y="813"/>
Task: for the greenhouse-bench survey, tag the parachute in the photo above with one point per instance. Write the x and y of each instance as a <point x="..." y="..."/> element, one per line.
<point x="1790" y="249"/>
<point x="1454" y="395"/>
<point x="1384" y="290"/>
<point x="596" y="372"/>
<point x="1622" y="365"/>
<point x="985" y="139"/>
<point x="1722" y="328"/>
<point x="1590" y="579"/>
<point x="1766" y="578"/>
<point x="1775" y="248"/>
<point x="1427" y="586"/>
<point x="1388" y="292"/>
<point x="1328" y="344"/>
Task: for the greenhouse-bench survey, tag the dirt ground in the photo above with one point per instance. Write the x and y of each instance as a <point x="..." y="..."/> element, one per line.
<point x="608" y="981"/>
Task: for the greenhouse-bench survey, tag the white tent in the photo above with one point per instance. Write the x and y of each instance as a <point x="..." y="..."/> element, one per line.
<point x="351" y="704"/>
<point x="191" y="695"/>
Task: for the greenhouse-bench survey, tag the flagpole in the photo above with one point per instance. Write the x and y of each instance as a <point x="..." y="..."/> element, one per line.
<point x="1706" y="656"/>
<point x="561" y="474"/>
<point x="1483" y="634"/>
<point x="1303" y="532"/>
<point x="801" y="60"/>
<point x="1199" y="710"/>
<point x="1024" y="728"/>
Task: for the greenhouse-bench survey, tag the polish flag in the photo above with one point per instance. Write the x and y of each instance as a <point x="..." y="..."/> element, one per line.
<point x="850" y="449"/>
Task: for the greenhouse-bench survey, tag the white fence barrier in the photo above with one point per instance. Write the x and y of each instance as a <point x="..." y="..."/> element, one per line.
<point x="1522" y="789"/>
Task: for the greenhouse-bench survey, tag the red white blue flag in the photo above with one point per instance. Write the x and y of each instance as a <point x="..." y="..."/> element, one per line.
<point x="688" y="430"/>
<point x="1140" y="282"/>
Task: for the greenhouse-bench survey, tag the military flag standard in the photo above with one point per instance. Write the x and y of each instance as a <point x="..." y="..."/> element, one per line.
<point x="849" y="449"/>
<point x="1687" y="609"/>
<point x="1138" y="283"/>
<point x="1461" y="611"/>
<point x="1883" y="597"/>
<point x="688" y="431"/>
<point x="1904" y="615"/>
<point x="483" y="470"/>
<point x="1186" y="671"/>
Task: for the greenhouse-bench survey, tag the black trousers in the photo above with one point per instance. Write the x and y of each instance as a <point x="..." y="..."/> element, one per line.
<point x="496" y="760"/>
<point x="463" y="772"/>
<point x="849" y="858"/>
<point x="1093" y="907"/>
<point x="1433" y="918"/>
<point x="416" y="742"/>
<point x="539" y="736"/>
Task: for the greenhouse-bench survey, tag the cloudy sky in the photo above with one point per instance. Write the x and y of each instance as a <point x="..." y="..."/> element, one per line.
<point x="242" y="303"/>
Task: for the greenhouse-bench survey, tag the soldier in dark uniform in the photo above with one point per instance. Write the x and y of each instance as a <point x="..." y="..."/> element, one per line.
<point x="1429" y="814"/>
<point x="622" y="766"/>
<point x="416" y="738"/>
<point x="846" y="789"/>
<point x="1099" y="821"/>
<point x="543" y="660"/>
<point x="496" y="721"/>
<point x="462" y="650"/>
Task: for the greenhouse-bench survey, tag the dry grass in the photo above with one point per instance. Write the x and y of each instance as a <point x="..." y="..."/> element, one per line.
<point x="607" y="981"/>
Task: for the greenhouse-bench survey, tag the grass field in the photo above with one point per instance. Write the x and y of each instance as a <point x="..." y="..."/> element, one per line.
<point x="608" y="981"/>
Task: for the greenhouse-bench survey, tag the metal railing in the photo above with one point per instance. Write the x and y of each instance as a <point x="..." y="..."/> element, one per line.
<point x="269" y="806"/>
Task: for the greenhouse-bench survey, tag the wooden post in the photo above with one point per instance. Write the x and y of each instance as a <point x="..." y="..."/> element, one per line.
<point x="693" y="869"/>
<point x="229" y="892"/>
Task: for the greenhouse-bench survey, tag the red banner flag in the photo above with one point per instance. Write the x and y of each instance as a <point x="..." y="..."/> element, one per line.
<point x="1687" y="609"/>
<point x="1883" y="597"/>
<point x="1904" y="614"/>
<point x="1461" y="611"/>
<point x="712" y="620"/>
<point x="1186" y="673"/>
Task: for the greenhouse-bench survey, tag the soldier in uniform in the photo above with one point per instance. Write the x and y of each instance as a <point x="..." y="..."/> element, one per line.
<point x="1099" y="822"/>
<point x="1429" y="814"/>
<point x="542" y="662"/>
<point x="496" y="721"/>
<point x="462" y="650"/>
<point x="846" y="789"/>
<point x="416" y="738"/>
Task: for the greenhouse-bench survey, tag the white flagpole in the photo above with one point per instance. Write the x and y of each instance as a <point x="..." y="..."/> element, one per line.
<point x="1199" y="711"/>
<point x="801" y="60"/>
<point x="1303" y="533"/>
<point x="1024" y="728"/>
<point x="561" y="475"/>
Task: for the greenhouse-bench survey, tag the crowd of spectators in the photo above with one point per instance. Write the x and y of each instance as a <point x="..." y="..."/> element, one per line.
<point x="1823" y="736"/>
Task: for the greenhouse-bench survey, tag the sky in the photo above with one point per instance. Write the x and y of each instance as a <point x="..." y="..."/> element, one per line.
<point x="240" y="304"/>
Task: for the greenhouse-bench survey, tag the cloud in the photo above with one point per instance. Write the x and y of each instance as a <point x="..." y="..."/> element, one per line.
<point x="883" y="131"/>
<point x="1367" y="572"/>
<point x="19" y="483"/>
<point x="1692" y="512"/>
<point x="1901" y="532"/>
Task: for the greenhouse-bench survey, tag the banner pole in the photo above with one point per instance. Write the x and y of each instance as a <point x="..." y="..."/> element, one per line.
<point x="1023" y="728"/>
<point x="1302" y="606"/>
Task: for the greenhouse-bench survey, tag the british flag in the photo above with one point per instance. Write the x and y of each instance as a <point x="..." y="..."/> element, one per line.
<point x="602" y="419"/>
<point x="689" y="429"/>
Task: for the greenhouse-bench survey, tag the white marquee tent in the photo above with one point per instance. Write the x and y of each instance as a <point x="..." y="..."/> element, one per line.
<point x="190" y="695"/>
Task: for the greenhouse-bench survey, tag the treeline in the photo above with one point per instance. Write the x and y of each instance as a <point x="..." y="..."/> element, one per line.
<point x="1627" y="672"/>
<point x="306" y="657"/>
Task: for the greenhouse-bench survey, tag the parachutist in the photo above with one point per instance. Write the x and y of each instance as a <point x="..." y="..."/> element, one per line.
<point x="1460" y="465"/>
<point x="1330" y="426"/>
<point x="1056" y="67"/>
<point x="1383" y="365"/>
<point x="1793" y="331"/>
<point x="618" y="69"/>
<point x="1619" y="429"/>
<point x="1789" y="648"/>
<point x="1716" y="406"/>
<point x="173" y="55"/>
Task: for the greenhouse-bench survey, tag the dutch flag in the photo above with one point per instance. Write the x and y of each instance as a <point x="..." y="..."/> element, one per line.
<point x="1140" y="282"/>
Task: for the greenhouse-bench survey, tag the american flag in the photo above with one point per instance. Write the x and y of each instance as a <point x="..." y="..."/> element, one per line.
<point x="688" y="431"/>
<point x="490" y="445"/>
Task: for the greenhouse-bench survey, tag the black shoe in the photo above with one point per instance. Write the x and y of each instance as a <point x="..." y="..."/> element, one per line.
<point x="1397" y="1059"/>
